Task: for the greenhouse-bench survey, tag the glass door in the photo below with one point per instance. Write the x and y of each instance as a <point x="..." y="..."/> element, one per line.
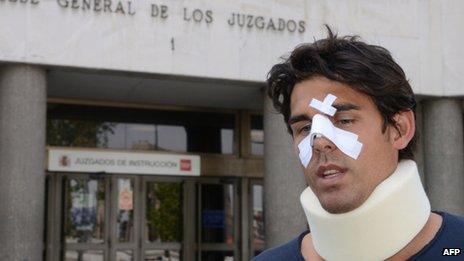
<point x="122" y="217"/>
<point x="85" y="222"/>
<point x="217" y="226"/>
<point x="123" y="241"/>
<point x="107" y="217"/>
<point x="100" y="213"/>
<point x="256" y="211"/>
<point x="162" y="219"/>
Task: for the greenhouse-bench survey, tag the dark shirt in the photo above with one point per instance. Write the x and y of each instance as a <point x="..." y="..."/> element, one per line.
<point x="450" y="235"/>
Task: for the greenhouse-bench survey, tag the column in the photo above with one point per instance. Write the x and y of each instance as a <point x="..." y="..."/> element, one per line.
<point x="444" y="154"/>
<point x="22" y="157"/>
<point x="419" y="149"/>
<point x="283" y="181"/>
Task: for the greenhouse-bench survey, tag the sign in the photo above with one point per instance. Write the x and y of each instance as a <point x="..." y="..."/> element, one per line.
<point x="233" y="40"/>
<point x="126" y="199"/>
<point x="163" y="12"/>
<point x="212" y="218"/>
<point x="68" y="160"/>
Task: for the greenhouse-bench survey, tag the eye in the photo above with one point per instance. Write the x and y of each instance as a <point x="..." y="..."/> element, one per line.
<point x="344" y="122"/>
<point x="305" y="129"/>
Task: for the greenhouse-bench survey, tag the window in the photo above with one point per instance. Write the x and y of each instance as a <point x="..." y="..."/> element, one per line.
<point x="257" y="219"/>
<point x="257" y="135"/>
<point x="140" y="129"/>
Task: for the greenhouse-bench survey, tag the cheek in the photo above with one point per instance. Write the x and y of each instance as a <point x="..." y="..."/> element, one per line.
<point x="375" y="154"/>
<point x="374" y="143"/>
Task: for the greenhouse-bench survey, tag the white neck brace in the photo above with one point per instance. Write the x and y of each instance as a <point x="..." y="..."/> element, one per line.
<point x="387" y="221"/>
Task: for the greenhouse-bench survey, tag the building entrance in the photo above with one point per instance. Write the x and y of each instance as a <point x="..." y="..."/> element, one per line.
<point x="102" y="217"/>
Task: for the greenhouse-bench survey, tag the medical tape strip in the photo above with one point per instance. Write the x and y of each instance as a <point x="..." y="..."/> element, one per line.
<point x="326" y="105"/>
<point x="346" y="141"/>
<point x="305" y="151"/>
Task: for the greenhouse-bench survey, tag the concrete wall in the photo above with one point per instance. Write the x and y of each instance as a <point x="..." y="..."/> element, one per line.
<point x="423" y="35"/>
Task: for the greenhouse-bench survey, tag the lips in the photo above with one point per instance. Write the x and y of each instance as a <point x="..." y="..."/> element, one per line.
<point x="330" y="171"/>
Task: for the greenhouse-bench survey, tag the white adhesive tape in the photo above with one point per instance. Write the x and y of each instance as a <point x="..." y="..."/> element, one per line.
<point x="326" y="105"/>
<point x="346" y="141"/>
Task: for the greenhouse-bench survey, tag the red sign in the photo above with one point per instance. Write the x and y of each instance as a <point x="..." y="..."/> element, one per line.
<point x="185" y="165"/>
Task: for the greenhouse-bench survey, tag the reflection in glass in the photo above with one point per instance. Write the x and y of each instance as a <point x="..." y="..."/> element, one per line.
<point x="217" y="256"/>
<point x="140" y="136"/>
<point x="257" y="135"/>
<point x="227" y="141"/>
<point x="171" y="138"/>
<point x="124" y="255"/>
<point x="88" y="255"/>
<point x="77" y="133"/>
<point x="164" y="212"/>
<point x="147" y="137"/>
<point x="141" y="129"/>
<point x="258" y="218"/>
<point x="217" y="213"/>
<point x="162" y="255"/>
<point x="116" y="139"/>
<point x="85" y="211"/>
<point x="125" y="213"/>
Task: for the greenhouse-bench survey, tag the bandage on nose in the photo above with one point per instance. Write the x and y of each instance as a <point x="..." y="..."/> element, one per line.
<point x="322" y="126"/>
<point x="316" y="135"/>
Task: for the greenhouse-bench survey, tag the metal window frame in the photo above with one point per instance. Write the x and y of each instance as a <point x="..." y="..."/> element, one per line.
<point x="143" y="244"/>
<point x="201" y="247"/>
<point x="236" y="146"/>
<point x="190" y="247"/>
<point x="253" y="182"/>
<point x="85" y="246"/>
<point x="114" y="245"/>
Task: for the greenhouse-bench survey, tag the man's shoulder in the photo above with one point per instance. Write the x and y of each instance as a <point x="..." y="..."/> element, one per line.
<point x="452" y="218"/>
<point x="289" y="251"/>
<point x="450" y="236"/>
<point x="452" y="228"/>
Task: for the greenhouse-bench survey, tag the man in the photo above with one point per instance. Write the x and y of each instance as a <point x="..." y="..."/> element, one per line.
<point x="350" y="111"/>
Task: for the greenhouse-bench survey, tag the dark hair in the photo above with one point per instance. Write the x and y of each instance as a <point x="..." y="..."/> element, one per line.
<point x="369" y="69"/>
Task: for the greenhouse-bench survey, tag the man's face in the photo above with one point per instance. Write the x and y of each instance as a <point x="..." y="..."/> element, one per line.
<point x="340" y="182"/>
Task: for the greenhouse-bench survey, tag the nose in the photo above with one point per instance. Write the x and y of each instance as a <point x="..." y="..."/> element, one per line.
<point x="322" y="145"/>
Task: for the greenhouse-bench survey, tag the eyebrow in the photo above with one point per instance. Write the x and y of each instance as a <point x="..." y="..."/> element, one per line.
<point x="346" y="106"/>
<point x="340" y="107"/>
<point x="298" y="118"/>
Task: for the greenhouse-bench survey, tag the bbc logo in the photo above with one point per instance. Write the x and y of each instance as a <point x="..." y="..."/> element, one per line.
<point x="451" y="252"/>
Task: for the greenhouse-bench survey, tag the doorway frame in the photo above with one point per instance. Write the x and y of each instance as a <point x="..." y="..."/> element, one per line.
<point x="56" y="206"/>
<point x="191" y="244"/>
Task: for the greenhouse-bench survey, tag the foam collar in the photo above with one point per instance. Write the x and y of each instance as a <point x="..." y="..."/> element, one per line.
<point x="387" y="221"/>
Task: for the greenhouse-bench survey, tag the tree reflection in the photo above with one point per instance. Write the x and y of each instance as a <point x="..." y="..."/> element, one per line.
<point x="73" y="133"/>
<point x="164" y="212"/>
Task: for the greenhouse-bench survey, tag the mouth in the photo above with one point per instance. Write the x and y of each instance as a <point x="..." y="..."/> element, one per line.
<point x="330" y="174"/>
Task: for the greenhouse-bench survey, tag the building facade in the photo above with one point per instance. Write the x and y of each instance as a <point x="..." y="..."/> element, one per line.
<point x="139" y="130"/>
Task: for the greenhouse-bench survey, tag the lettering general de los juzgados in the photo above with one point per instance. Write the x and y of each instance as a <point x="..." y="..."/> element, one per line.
<point x="196" y="15"/>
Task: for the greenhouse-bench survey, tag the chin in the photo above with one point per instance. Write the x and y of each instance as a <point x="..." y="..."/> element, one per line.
<point x="338" y="205"/>
<point x="337" y="208"/>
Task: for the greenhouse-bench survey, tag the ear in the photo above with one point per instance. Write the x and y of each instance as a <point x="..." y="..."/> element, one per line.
<point x="405" y="129"/>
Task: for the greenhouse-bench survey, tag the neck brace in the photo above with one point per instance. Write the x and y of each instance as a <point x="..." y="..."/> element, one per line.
<point x="387" y="221"/>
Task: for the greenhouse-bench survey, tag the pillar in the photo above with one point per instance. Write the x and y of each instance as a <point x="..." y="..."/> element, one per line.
<point x="22" y="157"/>
<point x="283" y="181"/>
<point x="419" y="149"/>
<point x="444" y="154"/>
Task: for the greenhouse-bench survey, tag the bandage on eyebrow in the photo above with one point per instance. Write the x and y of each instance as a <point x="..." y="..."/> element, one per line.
<point x="346" y="141"/>
<point x="326" y="105"/>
